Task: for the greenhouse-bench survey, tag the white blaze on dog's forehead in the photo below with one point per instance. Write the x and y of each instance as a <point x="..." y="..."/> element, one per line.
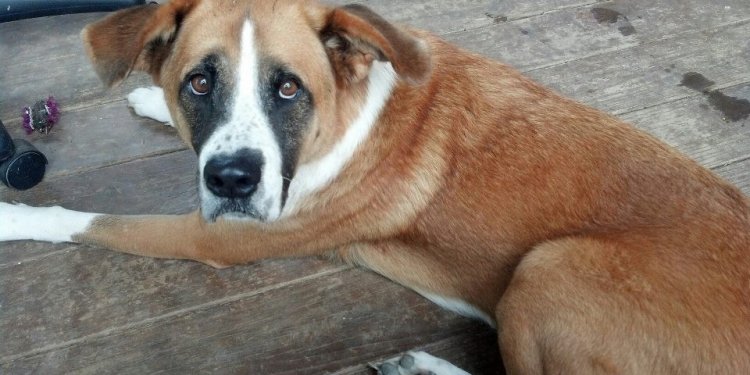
<point x="313" y="176"/>
<point x="248" y="127"/>
<point x="51" y="224"/>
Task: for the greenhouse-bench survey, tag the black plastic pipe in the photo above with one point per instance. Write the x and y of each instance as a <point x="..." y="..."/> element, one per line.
<point x="11" y="10"/>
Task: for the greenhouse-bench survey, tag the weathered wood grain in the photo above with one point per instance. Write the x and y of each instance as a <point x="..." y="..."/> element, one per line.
<point x="737" y="173"/>
<point x="695" y="127"/>
<point x="447" y="16"/>
<point x="565" y="36"/>
<point x="71" y="295"/>
<point x="311" y="327"/>
<point x="650" y="74"/>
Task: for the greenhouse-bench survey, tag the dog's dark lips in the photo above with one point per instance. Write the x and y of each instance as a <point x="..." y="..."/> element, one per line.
<point x="236" y="209"/>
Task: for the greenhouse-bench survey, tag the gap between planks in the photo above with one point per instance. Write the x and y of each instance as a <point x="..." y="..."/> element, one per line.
<point x="734" y="161"/>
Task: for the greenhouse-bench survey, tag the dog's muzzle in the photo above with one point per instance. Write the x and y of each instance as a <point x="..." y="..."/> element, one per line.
<point x="233" y="185"/>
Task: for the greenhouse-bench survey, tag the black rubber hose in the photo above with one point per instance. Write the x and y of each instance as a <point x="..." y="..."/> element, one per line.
<point x="11" y="10"/>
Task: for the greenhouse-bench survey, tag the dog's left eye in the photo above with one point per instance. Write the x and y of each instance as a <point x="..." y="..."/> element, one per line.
<point x="199" y="84"/>
<point x="288" y="89"/>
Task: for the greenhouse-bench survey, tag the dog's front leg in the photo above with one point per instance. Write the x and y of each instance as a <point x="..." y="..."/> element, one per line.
<point x="156" y="236"/>
<point x="219" y="244"/>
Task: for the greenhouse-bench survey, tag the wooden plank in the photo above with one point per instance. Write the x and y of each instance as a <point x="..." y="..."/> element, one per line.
<point x="448" y="16"/>
<point x="97" y="136"/>
<point x="312" y="327"/>
<point x="558" y="37"/>
<point x="651" y="74"/>
<point x="85" y="291"/>
<point x="625" y="82"/>
<point x="697" y="128"/>
<point x="440" y="16"/>
<point x="737" y="173"/>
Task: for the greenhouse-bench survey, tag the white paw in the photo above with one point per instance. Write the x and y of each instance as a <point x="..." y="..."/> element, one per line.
<point x="11" y="215"/>
<point x="419" y="363"/>
<point x="51" y="224"/>
<point x="149" y="102"/>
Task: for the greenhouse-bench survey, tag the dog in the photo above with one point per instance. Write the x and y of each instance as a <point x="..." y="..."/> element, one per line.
<point x="590" y="245"/>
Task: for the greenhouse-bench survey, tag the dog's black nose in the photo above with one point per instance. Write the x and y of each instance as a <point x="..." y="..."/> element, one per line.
<point x="234" y="176"/>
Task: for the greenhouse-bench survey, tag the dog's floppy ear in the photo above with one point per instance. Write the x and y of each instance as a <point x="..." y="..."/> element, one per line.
<point x="138" y="38"/>
<point x="355" y="36"/>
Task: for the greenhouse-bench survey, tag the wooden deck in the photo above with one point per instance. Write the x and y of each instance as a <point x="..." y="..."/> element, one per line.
<point x="66" y="308"/>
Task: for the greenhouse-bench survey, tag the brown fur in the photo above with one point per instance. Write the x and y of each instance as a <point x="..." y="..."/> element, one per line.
<point x="598" y="248"/>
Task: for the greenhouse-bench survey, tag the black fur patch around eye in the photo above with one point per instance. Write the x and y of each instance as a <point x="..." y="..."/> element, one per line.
<point x="205" y="112"/>
<point x="289" y="118"/>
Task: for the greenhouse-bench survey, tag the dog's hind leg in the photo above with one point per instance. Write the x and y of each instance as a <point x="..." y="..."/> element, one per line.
<point x="595" y="306"/>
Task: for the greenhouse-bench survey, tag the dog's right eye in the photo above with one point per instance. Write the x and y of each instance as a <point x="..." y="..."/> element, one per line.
<point x="289" y="89"/>
<point x="199" y="85"/>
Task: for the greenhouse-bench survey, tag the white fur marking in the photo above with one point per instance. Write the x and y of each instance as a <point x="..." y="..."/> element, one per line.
<point x="248" y="127"/>
<point x="51" y="224"/>
<point x="149" y="102"/>
<point x="315" y="175"/>
<point x="459" y="307"/>
<point x="423" y="363"/>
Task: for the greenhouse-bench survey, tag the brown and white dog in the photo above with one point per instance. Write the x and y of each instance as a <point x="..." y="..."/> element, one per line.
<point x="593" y="247"/>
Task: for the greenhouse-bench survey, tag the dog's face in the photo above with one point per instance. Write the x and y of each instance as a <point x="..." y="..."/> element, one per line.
<point x="257" y="88"/>
<point x="245" y="99"/>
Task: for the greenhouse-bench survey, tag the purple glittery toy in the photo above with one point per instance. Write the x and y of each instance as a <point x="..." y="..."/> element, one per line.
<point x="41" y="116"/>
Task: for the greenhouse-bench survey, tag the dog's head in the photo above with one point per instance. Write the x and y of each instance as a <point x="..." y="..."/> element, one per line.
<point x="260" y="89"/>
